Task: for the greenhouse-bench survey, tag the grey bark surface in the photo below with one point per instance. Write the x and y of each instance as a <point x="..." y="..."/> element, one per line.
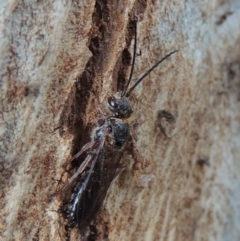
<point x="181" y="180"/>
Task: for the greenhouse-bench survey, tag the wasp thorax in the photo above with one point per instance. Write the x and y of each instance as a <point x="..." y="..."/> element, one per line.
<point x="119" y="133"/>
<point x="120" y="106"/>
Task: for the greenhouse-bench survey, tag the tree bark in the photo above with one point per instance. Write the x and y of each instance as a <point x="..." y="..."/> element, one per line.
<point x="181" y="180"/>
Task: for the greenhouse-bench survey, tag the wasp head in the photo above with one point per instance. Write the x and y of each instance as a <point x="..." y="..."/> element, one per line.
<point x="120" y="106"/>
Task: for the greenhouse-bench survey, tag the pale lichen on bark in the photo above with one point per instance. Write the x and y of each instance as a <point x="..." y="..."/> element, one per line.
<point x="185" y="183"/>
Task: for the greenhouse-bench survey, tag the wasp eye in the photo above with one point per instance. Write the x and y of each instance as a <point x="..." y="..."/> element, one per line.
<point x="112" y="101"/>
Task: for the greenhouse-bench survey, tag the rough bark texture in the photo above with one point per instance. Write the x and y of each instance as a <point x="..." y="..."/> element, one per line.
<point x="184" y="183"/>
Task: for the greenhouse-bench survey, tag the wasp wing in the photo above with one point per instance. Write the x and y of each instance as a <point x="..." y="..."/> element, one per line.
<point x="92" y="188"/>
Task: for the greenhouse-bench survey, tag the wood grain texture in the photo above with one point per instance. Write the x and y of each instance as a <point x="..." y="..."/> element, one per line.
<point x="182" y="178"/>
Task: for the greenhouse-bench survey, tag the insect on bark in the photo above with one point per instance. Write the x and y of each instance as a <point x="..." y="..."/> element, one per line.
<point x="103" y="155"/>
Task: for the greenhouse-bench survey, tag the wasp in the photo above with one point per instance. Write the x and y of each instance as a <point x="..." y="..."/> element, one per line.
<point x="103" y="154"/>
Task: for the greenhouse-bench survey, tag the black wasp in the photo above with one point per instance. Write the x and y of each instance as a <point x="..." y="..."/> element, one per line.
<point x="104" y="151"/>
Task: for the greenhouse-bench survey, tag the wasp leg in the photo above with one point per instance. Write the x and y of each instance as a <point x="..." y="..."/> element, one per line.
<point x="87" y="160"/>
<point x="120" y="169"/>
<point x="84" y="148"/>
<point x="91" y="157"/>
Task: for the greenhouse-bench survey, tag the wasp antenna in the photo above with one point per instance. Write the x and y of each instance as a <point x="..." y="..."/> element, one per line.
<point x="133" y="62"/>
<point x="149" y="71"/>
